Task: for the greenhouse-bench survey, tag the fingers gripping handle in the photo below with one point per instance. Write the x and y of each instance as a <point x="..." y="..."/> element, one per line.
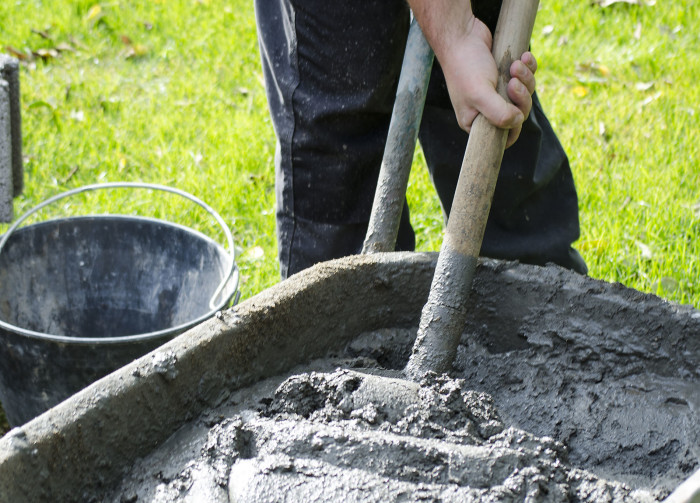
<point x="445" y="313"/>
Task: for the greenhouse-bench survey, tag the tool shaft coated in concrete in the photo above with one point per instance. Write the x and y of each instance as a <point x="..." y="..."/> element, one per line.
<point x="390" y="195"/>
<point x="6" y="189"/>
<point x="9" y="72"/>
<point x="445" y="313"/>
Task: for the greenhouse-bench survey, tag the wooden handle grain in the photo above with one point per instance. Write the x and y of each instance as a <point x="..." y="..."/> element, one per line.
<point x="482" y="159"/>
<point x="445" y="312"/>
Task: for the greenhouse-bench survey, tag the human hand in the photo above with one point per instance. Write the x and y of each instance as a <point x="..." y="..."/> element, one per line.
<point x="472" y="75"/>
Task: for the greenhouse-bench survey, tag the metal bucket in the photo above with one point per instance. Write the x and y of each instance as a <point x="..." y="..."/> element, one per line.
<point x="82" y="296"/>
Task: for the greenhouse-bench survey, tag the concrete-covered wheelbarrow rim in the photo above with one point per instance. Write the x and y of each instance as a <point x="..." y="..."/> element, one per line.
<point x="81" y="448"/>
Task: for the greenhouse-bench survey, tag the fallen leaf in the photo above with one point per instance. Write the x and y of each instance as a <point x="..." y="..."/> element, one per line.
<point x="125" y="40"/>
<point x="46" y="54"/>
<point x="196" y="157"/>
<point x="644" y="86"/>
<point x="77" y="115"/>
<point x="638" y="31"/>
<point x="64" y="47"/>
<point x="645" y="102"/>
<point x="42" y="33"/>
<point x="608" y="3"/>
<point x="580" y="91"/>
<point x="645" y="250"/>
<point x="255" y="253"/>
<point x="22" y="56"/>
<point x="94" y="13"/>
<point x="135" y="51"/>
<point x="592" y="71"/>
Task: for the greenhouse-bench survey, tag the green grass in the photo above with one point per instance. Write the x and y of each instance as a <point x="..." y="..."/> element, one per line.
<point x="181" y="105"/>
<point x="623" y="96"/>
<point x="170" y="92"/>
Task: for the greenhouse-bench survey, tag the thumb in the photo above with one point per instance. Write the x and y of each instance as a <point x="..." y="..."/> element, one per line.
<point x="499" y="112"/>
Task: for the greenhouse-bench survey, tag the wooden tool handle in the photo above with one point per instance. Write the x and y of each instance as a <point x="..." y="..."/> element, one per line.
<point x="445" y="313"/>
<point x="482" y="159"/>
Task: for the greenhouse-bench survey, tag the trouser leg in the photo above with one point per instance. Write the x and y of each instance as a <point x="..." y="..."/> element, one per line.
<point x="331" y="70"/>
<point x="534" y="213"/>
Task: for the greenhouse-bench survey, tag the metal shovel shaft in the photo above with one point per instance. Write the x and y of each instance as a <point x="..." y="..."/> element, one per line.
<point x="445" y="313"/>
<point x="401" y="142"/>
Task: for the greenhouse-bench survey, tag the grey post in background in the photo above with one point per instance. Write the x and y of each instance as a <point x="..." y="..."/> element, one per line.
<point x="11" y="172"/>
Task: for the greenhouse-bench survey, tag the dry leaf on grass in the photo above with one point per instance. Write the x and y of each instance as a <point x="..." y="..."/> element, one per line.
<point x="608" y="3"/>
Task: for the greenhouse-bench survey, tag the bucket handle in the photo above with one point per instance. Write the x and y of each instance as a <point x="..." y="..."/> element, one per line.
<point x="139" y="185"/>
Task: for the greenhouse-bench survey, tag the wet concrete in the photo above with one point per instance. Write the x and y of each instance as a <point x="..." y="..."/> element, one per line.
<point x="564" y="389"/>
<point x="372" y="436"/>
<point x="444" y="314"/>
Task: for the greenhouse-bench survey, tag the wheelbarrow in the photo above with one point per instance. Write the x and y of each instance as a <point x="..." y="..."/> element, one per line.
<point x="625" y="390"/>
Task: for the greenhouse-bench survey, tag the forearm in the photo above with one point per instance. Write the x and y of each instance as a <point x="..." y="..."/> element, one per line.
<point x="462" y="46"/>
<point x="444" y="22"/>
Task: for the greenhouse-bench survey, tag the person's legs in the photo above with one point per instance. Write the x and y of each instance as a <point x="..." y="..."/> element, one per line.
<point x="331" y="70"/>
<point x="534" y="214"/>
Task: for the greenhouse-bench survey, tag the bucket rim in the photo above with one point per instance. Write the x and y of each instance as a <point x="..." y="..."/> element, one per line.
<point x="229" y="283"/>
<point x="119" y="216"/>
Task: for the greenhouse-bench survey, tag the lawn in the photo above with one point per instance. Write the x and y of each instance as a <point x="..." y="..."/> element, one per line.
<point x="170" y="92"/>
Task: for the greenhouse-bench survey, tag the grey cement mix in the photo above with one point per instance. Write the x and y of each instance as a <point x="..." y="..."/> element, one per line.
<point x="564" y="389"/>
<point x="561" y="411"/>
<point x="312" y="441"/>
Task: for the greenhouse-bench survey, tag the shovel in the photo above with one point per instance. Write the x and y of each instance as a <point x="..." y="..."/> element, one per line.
<point x="445" y="313"/>
<point x="390" y="195"/>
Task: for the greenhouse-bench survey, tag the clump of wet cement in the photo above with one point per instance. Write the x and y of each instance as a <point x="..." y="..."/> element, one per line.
<point x="346" y="435"/>
<point x="624" y="413"/>
<point x="591" y="406"/>
<point x="318" y="440"/>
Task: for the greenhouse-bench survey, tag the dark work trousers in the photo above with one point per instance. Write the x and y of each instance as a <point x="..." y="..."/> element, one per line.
<point x="331" y="69"/>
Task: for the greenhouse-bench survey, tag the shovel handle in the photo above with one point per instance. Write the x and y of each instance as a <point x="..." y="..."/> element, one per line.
<point x="445" y="313"/>
<point x="482" y="159"/>
<point x="390" y="195"/>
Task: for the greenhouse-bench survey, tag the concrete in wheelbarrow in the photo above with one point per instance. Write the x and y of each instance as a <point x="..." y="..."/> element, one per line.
<point x="612" y="373"/>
